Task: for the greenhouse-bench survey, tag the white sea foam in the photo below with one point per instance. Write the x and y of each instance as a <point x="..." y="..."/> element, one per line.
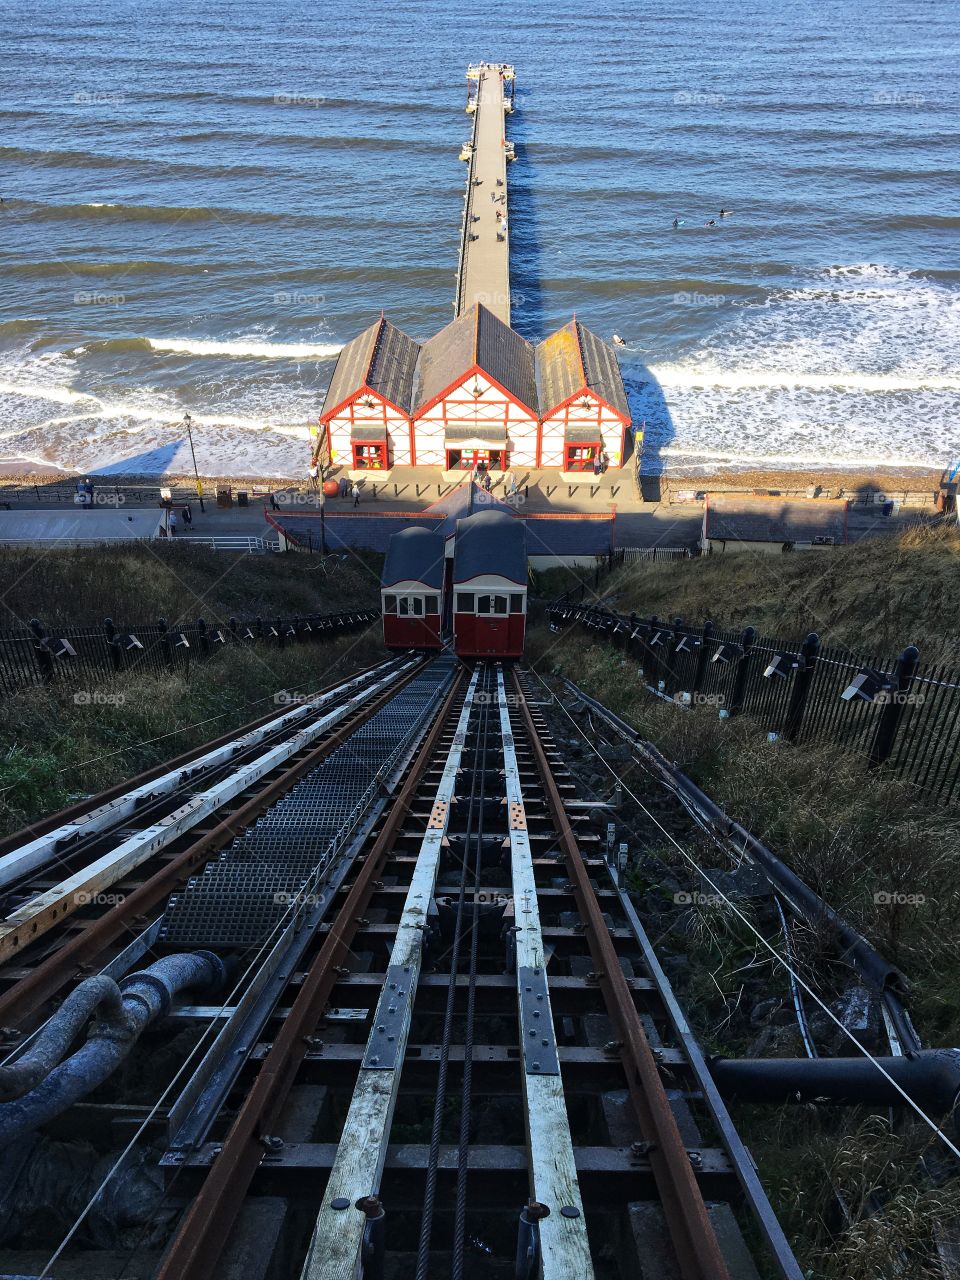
<point x="857" y="364"/>
<point x="250" y="347"/>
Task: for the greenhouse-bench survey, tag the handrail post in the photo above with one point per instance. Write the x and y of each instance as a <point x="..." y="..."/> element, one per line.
<point x="742" y="671"/>
<point x="809" y="653"/>
<point x="891" y="716"/>
<point x="701" y="668"/>
<point x="42" y="649"/>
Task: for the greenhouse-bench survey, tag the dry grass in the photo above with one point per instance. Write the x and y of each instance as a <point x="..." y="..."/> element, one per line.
<point x="875" y="596"/>
<point x="178" y="582"/>
<point x="54" y="751"/>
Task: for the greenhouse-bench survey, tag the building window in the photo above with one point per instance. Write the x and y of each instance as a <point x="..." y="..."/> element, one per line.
<point x="492" y="605"/>
<point x="464" y="602"/>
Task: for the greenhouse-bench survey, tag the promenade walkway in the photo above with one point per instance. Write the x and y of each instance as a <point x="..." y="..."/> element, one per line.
<point x="484" y="274"/>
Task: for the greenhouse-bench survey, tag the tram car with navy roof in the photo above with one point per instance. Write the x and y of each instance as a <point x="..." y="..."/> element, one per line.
<point x="411" y="590"/>
<point x="489" y="586"/>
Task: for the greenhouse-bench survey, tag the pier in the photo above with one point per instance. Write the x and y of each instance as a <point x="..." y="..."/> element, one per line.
<point x="484" y="272"/>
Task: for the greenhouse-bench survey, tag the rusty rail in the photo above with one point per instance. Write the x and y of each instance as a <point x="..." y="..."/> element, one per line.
<point x="73" y="959"/>
<point x="206" y="1227"/>
<point x="691" y="1231"/>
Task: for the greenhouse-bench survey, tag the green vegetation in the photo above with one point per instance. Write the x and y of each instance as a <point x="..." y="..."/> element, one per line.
<point x="851" y="833"/>
<point x="62" y="742"/>
<point x="54" y="751"/>
<point x="180" y="582"/>
<point x="874" y="596"/>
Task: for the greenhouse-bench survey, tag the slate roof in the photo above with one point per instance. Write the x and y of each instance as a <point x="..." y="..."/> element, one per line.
<point x="414" y="555"/>
<point x="369" y="533"/>
<point x="490" y="542"/>
<point x="550" y="537"/>
<point x="573" y="359"/>
<point x="732" y="518"/>
<point x="477" y="337"/>
<point x="382" y="358"/>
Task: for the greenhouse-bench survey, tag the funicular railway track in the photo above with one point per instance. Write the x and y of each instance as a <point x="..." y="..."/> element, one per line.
<point x="508" y="1085"/>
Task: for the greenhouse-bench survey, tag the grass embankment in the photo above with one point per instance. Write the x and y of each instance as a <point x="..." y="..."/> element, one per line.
<point x="178" y="582"/>
<point x="850" y="833"/>
<point x="55" y="750"/>
<point x="874" y="596"/>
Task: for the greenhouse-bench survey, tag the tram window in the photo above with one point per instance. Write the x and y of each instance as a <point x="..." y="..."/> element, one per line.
<point x="516" y="604"/>
<point x="491" y="604"/>
<point x="465" y="602"/>
<point x="389" y="604"/>
<point x="411" y="606"/>
<point x="432" y="604"/>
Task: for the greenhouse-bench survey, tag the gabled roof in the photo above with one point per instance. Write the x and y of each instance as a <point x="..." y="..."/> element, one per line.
<point x="477" y="338"/>
<point x="732" y="518"/>
<point x="382" y="359"/>
<point x="490" y="542"/>
<point x="574" y="360"/>
<point x="464" y="501"/>
<point x="414" y="555"/>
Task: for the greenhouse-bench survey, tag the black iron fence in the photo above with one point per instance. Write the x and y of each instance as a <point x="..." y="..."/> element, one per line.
<point x="897" y="711"/>
<point x="42" y="655"/>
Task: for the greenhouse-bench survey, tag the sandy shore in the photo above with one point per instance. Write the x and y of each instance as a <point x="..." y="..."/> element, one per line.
<point x="830" y="480"/>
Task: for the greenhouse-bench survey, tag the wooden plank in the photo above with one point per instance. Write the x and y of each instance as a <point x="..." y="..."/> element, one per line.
<point x="358" y="1168"/>
<point x="565" y="1249"/>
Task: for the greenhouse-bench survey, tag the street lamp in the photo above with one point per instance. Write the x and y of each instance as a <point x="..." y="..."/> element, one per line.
<point x="188" y="423"/>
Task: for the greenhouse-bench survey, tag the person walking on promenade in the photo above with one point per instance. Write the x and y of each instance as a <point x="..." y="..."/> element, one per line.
<point x="510" y="481"/>
<point x="173" y="523"/>
<point x="187" y="516"/>
<point x="314" y="473"/>
<point x="597" y="464"/>
<point x="355" y="494"/>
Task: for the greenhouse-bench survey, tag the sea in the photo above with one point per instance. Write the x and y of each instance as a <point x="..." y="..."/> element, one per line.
<point x="201" y="203"/>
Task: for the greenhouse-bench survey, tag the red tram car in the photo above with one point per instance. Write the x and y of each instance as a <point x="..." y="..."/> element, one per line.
<point x="489" y="586"/>
<point x="412" y="590"/>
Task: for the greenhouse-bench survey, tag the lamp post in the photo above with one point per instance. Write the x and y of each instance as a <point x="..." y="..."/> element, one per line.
<point x="188" y="423"/>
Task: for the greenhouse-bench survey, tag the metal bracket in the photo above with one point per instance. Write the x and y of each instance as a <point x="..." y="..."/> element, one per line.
<point x="382" y="1052"/>
<point x="536" y="1024"/>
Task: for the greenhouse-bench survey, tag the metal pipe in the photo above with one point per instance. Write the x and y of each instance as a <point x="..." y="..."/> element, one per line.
<point x="931" y="1078"/>
<point x="125" y="1011"/>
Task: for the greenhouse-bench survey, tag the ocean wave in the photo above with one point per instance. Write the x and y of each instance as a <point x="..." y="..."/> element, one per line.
<point x="745" y="379"/>
<point x="246" y="347"/>
<point x="164" y="213"/>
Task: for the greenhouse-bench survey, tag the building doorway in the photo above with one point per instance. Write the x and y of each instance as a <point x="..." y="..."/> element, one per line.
<point x="466" y="459"/>
<point x="581" y="457"/>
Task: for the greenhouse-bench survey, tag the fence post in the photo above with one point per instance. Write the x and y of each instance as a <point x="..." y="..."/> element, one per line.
<point x="741" y="671"/>
<point x="279" y="626"/>
<point x="701" y="667"/>
<point x="164" y="641"/>
<point x="258" y="628"/>
<point x="113" y="644"/>
<point x="203" y="640"/>
<point x="233" y="631"/>
<point x="809" y="652"/>
<point x="891" y="716"/>
<point x="42" y="650"/>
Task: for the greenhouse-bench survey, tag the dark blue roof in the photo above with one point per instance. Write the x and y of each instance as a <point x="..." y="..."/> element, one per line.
<point x="548" y="537"/>
<point x="490" y="542"/>
<point x="370" y="533"/>
<point x="414" y="555"/>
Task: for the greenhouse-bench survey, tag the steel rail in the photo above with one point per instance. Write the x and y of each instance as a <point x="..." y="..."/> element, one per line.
<point x="694" y="1240"/>
<point x="206" y="1226"/>
<point x="61" y="817"/>
<point x="50" y="907"/>
<point x="74" y="957"/>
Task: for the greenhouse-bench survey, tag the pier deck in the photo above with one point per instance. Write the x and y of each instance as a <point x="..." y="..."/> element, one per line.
<point x="484" y="274"/>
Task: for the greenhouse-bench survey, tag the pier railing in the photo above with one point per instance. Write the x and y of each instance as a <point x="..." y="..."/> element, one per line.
<point x="898" y="712"/>
<point x="39" y="654"/>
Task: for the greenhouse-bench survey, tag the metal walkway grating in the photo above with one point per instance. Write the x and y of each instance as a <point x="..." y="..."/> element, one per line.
<point x="238" y="899"/>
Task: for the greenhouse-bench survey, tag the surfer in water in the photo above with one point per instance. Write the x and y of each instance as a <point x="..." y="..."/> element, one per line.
<point x="677" y="222"/>
<point x="711" y="223"/>
<point x="618" y="341"/>
<point x="725" y="213"/>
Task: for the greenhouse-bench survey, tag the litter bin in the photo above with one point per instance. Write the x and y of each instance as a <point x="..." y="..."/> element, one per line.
<point x="224" y="495"/>
<point x="242" y="499"/>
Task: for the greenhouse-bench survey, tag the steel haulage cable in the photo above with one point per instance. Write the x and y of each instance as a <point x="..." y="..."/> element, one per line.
<point x="429" y="1197"/>
<point x="463" y="1143"/>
